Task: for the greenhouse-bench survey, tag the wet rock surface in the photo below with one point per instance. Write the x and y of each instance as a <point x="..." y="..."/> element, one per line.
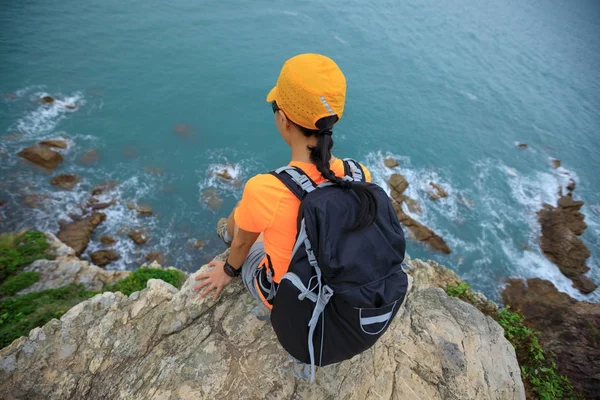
<point x="104" y="257"/>
<point x="157" y="256"/>
<point x="42" y="156"/>
<point x="166" y="343"/>
<point x="66" y="181"/>
<point x="104" y="187"/>
<point x="420" y="232"/>
<point x="211" y="199"/>
<point x="436" y="192"/>
<point x="390" y="163"/>
<point x="140" y="237"/>
<point x="90" y="157"/>
<point x="107" y="240"/>
<point x="561" y="226"/>
<point x="569" y="328"/>
<point x="77" y="234"/>
<point x="57" y="143"/>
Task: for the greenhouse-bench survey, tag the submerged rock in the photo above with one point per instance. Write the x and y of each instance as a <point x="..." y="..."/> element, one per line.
<point x="142" y="209"/>
<point x="90" y="157"/>
<point x="556" y="163"/>
<point x="104" y="187"/>
<point x="211" y="198"/>
<point x="94" y="204"/>
<point x="569" y="328"/>
<point x="139" y="237"/>
<point x="156" y="256"/>
<point x="77" y="234"/>
<point x="104" y="257"/>
<point x="390" y="162"/>
<point x="170" y="344"/>
<point x="35" y="200"/>
<point x="42" y="156"/>
<point x="198" y="244"/>
<point x="60" y="144"/>
<point x="224" y="175"/>
<point x="107" y="240"/>
<point x="48" y="99"/>
<point x="65" y="181"/>
<point x="436" y="192"/>
<point x="2" y="203"/>
<point x="522" y="145"/>
<point x="561" y="226"/>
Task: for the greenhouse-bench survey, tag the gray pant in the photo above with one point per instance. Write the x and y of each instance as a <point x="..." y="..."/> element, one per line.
<point x="251" y="266"/>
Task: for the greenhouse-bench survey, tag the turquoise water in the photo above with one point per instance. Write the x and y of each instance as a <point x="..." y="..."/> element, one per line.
<point x="447" y="87"/>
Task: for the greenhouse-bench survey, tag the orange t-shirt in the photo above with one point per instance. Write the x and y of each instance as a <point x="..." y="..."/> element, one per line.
<point x="269" y="207"/>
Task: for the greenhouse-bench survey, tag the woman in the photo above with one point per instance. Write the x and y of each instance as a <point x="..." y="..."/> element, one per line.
<point x="307" y="101"/>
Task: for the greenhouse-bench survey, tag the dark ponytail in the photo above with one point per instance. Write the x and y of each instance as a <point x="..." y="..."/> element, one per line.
<point x="320" y="155"/>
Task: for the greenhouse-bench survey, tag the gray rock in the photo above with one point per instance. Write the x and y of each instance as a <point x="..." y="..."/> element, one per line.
<point x="66" y="268"/>
<point x="162" y="343"/>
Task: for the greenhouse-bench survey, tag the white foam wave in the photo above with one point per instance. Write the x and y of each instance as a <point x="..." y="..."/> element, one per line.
<point x="46" y="117"/>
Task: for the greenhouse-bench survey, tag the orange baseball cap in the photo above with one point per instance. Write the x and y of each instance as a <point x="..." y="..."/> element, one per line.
<point x="310" y="87"/>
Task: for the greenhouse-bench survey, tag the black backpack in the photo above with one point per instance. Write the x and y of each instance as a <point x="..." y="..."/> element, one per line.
<point x="342" y="288"/>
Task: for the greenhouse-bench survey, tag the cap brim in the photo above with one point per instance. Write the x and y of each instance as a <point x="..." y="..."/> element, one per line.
<point x="272" y="94"/>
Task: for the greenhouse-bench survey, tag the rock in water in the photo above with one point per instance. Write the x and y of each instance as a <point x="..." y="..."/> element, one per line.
<point x="48" y="99"/>
<point x="66" y="181"/>
<point x="168" y="344"/>
<point x="107" y="240"/>
<point x="561" y="226"/>
<point x="42" y="156"/>
<point x="211" y="198"/>
<point x="522" y="145"/>
<point x="156" y="256"/>
<point x="35" y="200"/>
<point x="420" y="232"/>
<point x="569" y="328"/>
<point x="571" y="185"/>
<point x="139" y="237"/>
<point x="436" y="192"/>
<point x="104" y="187"/>
<point x="104" y="257"/>
<point x="390" y="162"/>
<point x="60" y="144"/>
<point x="198" y="244"/>
<point x="556" y="163"/>
<point x="77" y="234"/>
<point x="398" y="184"/>
<point x="90" y="157"/>
<point x="2" y="203"/>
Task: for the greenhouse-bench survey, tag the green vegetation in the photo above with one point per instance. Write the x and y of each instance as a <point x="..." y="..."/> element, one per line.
<point x="538" y="370"/>
<point x="136" y="281"/>
<point x="16" y="283"/>
<point x="18" y="250"/>
<point x="20" y="314"/>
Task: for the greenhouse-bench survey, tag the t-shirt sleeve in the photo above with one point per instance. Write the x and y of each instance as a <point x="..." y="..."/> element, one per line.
<point x="256" y="210"/>
<point x="367" y="173"/>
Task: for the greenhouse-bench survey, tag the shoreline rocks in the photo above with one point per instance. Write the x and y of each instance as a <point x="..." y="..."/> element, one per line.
<point x="77" y="234"/>
<point x="104" y="257"/>
<point x="569" y="328"/>
<point x="436" y="192"/>
<point x="559" y="241"/>
<point x="66" y="268"/>
<point x="41" y="156"/>
<point x="420" y="232"/>
<point x="65" y="181"/>
<point x="170" y="344"/>
<point x="390" y="162"/>
<point x="139" y="237"/>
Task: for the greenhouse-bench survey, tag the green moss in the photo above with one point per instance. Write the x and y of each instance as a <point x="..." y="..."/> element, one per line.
<point x="16" y="283"/>
<point x="137" y="280"/>
<point x="538" y="370"/>
<point x="20" y="314"/>
<point x="18" y="250"/>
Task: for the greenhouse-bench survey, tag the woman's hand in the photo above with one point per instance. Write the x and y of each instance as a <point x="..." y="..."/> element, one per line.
<point x="215" y="279"/>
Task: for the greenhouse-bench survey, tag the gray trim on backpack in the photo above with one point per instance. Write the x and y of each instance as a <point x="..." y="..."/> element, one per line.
<point x="300" y="240"/>
<point x="356" y="172"/>
<point x="387" y="317"/>
<point x="301" y="180"/>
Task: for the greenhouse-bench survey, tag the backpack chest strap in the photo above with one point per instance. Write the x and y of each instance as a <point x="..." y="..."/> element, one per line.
<point x="296" y="180"/>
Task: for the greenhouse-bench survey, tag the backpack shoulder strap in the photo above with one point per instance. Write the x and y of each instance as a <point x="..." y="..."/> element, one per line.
<point x="295" y="180"/>
<point x="356" y="172"/>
